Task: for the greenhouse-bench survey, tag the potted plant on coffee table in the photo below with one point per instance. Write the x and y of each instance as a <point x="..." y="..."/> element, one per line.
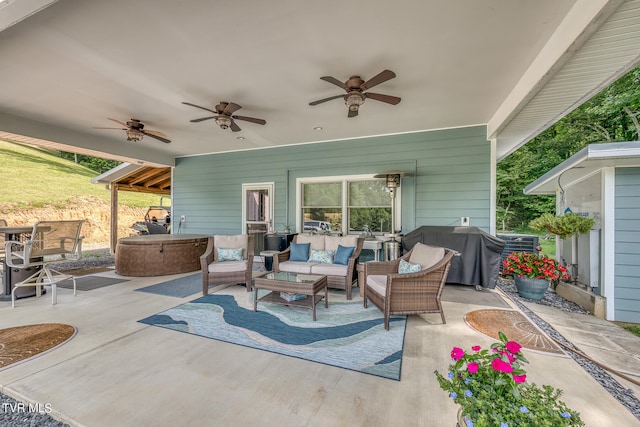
<point x="491" y="387"/>
<point x="532" y="273"/>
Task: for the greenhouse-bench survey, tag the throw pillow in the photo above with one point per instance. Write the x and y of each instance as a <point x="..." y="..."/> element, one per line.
<point x="299" y="251"/>
<point x="324" y="257"/>
<point x="343" y="254"/>
<point x="229" y="254"/>
<point x="406" y="267"/>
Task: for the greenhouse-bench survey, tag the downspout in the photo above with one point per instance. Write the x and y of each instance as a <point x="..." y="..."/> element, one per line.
<point x="492" y="187"/>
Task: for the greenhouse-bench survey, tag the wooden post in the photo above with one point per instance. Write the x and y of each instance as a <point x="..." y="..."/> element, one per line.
<point x="114" y="218"/>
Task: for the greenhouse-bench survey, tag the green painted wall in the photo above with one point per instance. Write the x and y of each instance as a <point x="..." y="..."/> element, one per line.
<point x="451" y="167"/>
<point x="627" y="243"/>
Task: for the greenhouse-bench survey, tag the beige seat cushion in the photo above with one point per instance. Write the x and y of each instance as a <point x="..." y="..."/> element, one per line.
<point x="425" y="255"/>
<point x="329" y="269"/>
<point x="377" y="282"/>
<point x="230" y="242"/>
<point x="297" y="266"/>
<point x="227" y="266"/>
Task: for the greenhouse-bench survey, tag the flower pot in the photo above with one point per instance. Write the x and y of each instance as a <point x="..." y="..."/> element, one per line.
<point x="462" y="419"/>
<point x="530" y="287"/>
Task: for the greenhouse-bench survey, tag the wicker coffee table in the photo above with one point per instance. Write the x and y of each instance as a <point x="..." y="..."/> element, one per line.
<point x="292" y="283"/>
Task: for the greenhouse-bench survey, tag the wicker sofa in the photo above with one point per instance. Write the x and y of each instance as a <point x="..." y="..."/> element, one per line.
<point x="339" y="276"/>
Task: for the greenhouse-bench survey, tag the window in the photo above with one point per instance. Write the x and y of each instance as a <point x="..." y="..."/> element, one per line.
<point x="369" y="206"/>
<point x="344" y="204"/>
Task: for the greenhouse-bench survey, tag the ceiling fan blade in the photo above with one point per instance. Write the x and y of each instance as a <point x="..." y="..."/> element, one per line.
<point x="250" y="119"/>
<point x="384" y="98"/>
<point x="118" y="122"/>
<point x="231" y="108"/>
<point x="320" y="101"/>
<point x="376" y="80"/>
<point x="155" y="132"/>
<point x="159" y="138"/>
<point x="352" y="113"/>
<point x="234" y="126"/>
<point x="110" y="128"/>
<point x="202" y="119"/>
<point x="202" y="108"/>
<point x="334" y="81"/>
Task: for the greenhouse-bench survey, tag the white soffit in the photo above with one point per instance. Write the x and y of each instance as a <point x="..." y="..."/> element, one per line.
<point x="608" y="54"/>
<point x="14" y="11"/>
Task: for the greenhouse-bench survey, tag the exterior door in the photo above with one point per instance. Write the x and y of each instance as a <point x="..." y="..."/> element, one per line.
<point x="257" y="218"/>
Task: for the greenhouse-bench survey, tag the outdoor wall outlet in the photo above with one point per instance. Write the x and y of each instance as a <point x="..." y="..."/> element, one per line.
<point x="464" y="221"/>
<point x="183" y="218"/>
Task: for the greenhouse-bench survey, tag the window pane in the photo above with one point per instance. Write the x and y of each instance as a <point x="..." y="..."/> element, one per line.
<point x="257" y="205"/>
<point x="378" y="219"/>
<point x="368" y="193"/>
<point x="328" y="194"/>
<point x="322" y="219"/>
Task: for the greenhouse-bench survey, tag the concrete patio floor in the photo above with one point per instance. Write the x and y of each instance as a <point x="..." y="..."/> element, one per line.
<point x="117" y="371"/>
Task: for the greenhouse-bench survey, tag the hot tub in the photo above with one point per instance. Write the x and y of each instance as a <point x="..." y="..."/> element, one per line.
<point x="159" y="254"/>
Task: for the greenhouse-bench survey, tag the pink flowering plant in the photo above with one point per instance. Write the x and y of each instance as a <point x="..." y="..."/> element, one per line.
<point x="491" y="388"/>
<point x="535" y="266"/>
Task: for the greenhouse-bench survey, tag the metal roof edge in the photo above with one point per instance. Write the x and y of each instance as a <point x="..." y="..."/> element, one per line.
<point x="608" y="150"/>
<point x="114" y="174"/>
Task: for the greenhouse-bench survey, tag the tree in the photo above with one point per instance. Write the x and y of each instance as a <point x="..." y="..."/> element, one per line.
<point x="97" y="164"/>
<point x="611" y="115"/>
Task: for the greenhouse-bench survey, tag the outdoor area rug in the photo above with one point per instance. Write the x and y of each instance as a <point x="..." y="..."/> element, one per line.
<point x="466" y="294"/>
<point x="515" y="326"/>
<point x="345" y="335"/>
<point x="180" y="287"/>
<point x="25" y="342"/>
<point x="89" y="283"/>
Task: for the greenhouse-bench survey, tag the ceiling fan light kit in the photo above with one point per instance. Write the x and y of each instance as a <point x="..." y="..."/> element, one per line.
<point x="223" y="121"/>
<point x="134" y="135"/>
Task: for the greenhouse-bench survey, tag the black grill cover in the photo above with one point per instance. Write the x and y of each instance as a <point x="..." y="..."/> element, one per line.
<point x="480" y="252"/>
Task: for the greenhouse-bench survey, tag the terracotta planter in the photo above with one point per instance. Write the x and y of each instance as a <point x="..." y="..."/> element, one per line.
<point x="531" y="288"/>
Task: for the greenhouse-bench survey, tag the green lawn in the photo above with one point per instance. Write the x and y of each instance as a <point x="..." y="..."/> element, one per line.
<point x="33" y="177"/>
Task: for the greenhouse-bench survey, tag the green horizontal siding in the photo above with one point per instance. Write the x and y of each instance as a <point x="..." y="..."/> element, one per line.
<point x="627" y="243"/>
<point x="451" y="167"/>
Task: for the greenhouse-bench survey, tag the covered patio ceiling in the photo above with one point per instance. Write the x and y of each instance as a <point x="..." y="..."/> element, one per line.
<point x="515" y="66"/>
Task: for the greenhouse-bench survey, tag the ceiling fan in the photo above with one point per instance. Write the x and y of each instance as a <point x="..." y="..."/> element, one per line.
<point x="224" y="115"/>
<point x="135" y="131"/>
<point x="356" y="87"/>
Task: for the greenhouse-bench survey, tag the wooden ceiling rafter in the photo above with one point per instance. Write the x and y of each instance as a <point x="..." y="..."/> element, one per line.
<point x="147" y="180"/>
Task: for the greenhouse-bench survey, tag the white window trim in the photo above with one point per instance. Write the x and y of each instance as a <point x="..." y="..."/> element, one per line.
<point x="345" y="180"/>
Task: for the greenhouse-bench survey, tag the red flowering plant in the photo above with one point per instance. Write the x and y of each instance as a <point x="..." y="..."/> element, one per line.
<point x="535" y="266"/>
<point x="491" y="387"/>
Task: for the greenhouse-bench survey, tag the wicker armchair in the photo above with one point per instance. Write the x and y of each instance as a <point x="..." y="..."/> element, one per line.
<point x="411" y="293"/>
<point x="216" y="271"/>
